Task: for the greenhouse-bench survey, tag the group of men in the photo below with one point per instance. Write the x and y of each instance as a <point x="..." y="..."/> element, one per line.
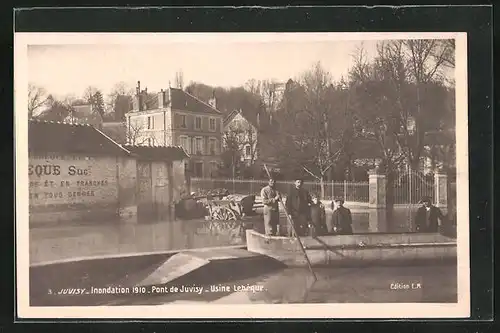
<point x="308" y="215"/>
<point x="305" y="211"/>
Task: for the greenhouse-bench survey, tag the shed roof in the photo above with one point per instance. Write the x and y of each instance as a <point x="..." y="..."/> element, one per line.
<point x="158" y="153"/>
<point x="46" y="136"/>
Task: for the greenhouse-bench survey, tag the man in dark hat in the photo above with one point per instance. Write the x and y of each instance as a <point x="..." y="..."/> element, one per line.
<point x="297" y="206"/>
<point x="341" y="218"/>
<point x="270" y="199"/>
<point x="428" y="216"/>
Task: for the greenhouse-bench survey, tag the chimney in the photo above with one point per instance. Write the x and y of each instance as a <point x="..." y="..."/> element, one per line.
<point x="137" y="99"/>
<point x="167" y="97"/>
<point x="143" y="99"/>
<point x="161" y="99"/>
<point x="213" y="101"/>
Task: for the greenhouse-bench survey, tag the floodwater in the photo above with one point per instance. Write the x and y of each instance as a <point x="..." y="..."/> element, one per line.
<point x="72" y="240"/>
<point x="429" y="284"/>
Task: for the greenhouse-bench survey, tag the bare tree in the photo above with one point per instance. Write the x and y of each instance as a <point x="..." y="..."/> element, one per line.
<point x="360" y="70"/>
<point x="253" y="86"/>
<point x="89" y="93"/>
<point x="425" y="70"/>
<point x="119" y="89"/>
<point x="37" y="97"/>
<point x="375" y="115"/>
<point x="137" y="136"/>
<point x="311" y="127"/>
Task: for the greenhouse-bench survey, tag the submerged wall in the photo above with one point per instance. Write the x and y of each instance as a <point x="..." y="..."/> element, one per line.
<point x="73" y="242"/>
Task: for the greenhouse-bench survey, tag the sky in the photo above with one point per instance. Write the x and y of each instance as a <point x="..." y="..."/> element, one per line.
<point x="64" y="70"/>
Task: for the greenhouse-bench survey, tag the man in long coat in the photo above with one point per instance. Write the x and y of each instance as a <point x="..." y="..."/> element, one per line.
<point x="427" y="217"/>
<point x="297" y="206"/>
<point x="270" y="199"/>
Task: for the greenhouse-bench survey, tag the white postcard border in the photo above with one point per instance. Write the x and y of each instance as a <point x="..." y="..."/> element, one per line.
<point x="461" y="309"/>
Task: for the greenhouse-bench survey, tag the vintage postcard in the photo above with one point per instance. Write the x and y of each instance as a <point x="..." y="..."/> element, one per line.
<point x="242" y="175"/>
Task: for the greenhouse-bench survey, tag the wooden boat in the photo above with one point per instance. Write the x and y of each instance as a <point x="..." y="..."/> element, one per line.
<point x="357" y="249"/>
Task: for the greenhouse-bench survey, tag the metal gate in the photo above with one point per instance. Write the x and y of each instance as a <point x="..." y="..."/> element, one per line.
<point x="408" y="188"/>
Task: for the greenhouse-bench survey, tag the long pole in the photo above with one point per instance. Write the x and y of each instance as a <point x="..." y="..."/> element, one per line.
<point x="294" y="231"/>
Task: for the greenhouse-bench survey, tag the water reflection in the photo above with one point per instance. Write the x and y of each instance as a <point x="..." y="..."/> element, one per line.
<point x="372" y="220"/>
<point x="72" y="240"/>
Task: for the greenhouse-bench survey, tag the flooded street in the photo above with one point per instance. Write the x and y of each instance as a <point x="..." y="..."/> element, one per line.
<point x="437" y="284"/>
<point x="73" y="241"/>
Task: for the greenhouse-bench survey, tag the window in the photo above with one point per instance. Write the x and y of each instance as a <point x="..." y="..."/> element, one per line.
<point x="184" y="143"/>
<point x="214" y="167"/>
<point x="183" y="121"/>
<point x="199" y="145"/>
<point x="198" y="169"/>
<point x="151" y="122"/>
<point x="248" y="150"/>
<point x="197" y="123"/>
<point x="212" y="124"/>
<point x="212" y="146"/>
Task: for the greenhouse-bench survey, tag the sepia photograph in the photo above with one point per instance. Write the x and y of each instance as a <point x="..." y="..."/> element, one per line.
<point x="177" y="175"/>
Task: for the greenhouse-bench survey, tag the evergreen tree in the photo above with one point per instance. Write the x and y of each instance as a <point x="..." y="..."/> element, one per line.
<point x="98" y="103"/>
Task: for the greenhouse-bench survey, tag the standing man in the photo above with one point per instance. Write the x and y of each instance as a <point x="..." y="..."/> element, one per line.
<point x="427" y="217"/>
<point x="270" y="199"/>
<point x="341" y="218"/>
<point x="297" y="206"/>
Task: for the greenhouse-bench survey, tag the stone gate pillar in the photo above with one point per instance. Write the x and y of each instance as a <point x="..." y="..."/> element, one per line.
<point x="441" y="189"/>
<point x="377" y="189"/>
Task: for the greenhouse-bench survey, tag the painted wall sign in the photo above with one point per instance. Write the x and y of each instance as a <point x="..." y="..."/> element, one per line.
<point x="71" y="179"/>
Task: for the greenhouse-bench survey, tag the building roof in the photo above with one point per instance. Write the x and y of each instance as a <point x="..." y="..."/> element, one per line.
<point x="182" y="100"/>
<point x="67" y="138"/>
<point x="251" y="120"/>
<point x="157" y="153"/>
<point x="263" y="124"/>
